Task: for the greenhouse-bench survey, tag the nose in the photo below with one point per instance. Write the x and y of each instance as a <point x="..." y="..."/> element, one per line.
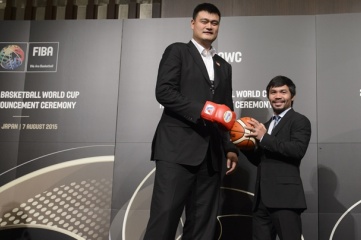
<point x="277" y="95"/>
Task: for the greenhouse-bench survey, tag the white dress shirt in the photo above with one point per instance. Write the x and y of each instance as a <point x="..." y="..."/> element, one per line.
<point x="207" y="56"/>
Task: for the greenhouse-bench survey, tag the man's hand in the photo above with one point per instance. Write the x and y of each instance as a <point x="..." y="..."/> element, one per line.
<point x="232" y="160"/>
<point x="257" y="129"/>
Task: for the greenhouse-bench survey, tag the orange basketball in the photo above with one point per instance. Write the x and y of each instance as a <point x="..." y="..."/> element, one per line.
<point x="237" y="135"/>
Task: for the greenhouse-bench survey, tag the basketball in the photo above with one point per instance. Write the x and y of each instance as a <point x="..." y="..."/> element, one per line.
<point x="237" y="135"/>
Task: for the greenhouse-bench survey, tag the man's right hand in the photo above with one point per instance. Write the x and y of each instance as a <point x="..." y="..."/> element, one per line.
<point x="219" y="113"/>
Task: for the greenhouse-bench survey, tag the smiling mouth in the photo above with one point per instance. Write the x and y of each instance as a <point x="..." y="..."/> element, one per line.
<point x="277" y="103"/>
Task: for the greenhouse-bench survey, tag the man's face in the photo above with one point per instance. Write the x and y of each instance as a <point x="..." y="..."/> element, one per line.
<point x="205" y="28"/>
<point x="280" y="98"/>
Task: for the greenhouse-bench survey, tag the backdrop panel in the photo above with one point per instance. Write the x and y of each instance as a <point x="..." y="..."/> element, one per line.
<point x="338" y="78"/>
<point x="138" y="115"/>
<point x="58" y="103"/>
<point x="339" y="117"/>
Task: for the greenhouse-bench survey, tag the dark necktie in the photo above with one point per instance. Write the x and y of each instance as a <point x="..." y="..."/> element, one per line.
<point x="276" y="119"/>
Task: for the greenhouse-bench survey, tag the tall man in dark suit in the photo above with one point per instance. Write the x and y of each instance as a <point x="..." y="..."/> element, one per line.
<point x="283" y="141"/>
<point x="191" y="140"/>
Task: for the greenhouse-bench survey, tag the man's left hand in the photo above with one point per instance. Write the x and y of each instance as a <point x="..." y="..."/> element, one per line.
<point x="232" y="160"/>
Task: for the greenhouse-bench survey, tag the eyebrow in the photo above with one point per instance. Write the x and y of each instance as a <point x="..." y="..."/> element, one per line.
<point x="209" y="20"/>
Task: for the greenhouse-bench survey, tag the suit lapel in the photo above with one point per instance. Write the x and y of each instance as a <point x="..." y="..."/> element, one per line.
<point x="217" y="70"/>
<point x="282" y="122"/>
<point x="199" y="61"/>
<point x="268" y="123"/>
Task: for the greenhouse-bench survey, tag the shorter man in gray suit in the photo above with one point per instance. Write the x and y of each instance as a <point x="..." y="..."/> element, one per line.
<point x="282" y="143"/>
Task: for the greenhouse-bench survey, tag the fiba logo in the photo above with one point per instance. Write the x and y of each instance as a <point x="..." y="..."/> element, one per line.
<point x="11" y="57"/>
<point x="43" y="51"/>
<point x="42" y="57"/>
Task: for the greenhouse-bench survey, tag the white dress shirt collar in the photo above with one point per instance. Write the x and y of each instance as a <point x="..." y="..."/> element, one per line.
<point x="202" y="50"/>
<point x="284" y="112"/>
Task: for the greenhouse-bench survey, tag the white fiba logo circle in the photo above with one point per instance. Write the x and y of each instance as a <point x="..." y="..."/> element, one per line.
<point x="342" y="217"/>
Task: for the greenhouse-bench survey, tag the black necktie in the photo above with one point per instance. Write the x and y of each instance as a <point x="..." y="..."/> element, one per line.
<point x="276" y="119"/>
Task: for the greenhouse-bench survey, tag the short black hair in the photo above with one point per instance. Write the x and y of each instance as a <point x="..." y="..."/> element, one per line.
<point x="280" y="81"/>
<point x="208" y="7"/>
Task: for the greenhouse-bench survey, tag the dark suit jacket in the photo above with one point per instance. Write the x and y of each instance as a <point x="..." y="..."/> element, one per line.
<point x="278" y="159"/>
<point x="183" y="86"/>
